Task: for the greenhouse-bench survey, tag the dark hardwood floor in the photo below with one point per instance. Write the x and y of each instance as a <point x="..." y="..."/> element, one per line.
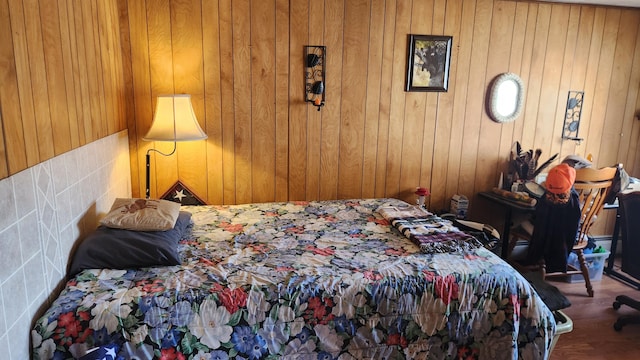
<point x="593" y="336"/>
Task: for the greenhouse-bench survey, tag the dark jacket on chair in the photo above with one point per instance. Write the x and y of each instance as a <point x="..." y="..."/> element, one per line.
<point x="554" y="233"/>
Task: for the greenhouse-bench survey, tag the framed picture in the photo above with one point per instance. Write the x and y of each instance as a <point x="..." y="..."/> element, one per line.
<point x="428" y="59"/>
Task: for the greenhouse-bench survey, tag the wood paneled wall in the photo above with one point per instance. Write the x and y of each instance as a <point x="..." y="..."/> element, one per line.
<point x="242" y="61"/>
<point x="63" y="84"/>
<point x="61" y="78"/>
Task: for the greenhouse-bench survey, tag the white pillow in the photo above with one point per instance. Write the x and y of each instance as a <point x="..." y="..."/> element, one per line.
<point x="142" y="214"/>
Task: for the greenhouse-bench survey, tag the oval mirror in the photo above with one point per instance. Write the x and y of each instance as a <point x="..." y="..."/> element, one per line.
<point x="506" y="96"/>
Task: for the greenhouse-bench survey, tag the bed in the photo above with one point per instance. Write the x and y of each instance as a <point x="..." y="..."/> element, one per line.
<point x="299" y="280"/>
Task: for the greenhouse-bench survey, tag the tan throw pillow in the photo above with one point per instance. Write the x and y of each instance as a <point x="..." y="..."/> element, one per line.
<point x="142" y="214"/>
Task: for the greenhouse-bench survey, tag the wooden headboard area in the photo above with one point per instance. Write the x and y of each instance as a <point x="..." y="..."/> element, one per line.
<point x="91" y="68"/>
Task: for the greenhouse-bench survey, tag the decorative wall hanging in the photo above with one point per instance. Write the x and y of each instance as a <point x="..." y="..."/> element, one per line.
<point x="428" y="59"/>
<point x="505" y="98"/>
<point x="572" y="116"/>
<point x="315" y="57"/>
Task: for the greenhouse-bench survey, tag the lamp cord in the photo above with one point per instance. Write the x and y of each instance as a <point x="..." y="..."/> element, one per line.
<point x="161" y="153"/>
<point x="148" y="164"/>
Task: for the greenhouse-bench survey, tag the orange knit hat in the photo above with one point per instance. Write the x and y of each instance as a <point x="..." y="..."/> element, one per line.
<point x="560" y="179"/>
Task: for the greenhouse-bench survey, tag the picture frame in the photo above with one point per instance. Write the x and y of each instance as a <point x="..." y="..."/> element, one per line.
<point x="428" y="61"/>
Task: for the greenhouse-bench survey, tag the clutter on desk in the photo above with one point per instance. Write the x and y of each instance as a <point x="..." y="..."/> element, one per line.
<point x="577" y="161"/>
<point x="521" y="197"/>
<point x="523" y="165"/>
<point x="533" y="189"/>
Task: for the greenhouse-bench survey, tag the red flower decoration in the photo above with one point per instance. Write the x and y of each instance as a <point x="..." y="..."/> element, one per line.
<point x="66" y="319"/>
<point x="151" y="286"/>
<point x="234" y="299"/>
<point x="320" y="251"/>
<point x="233" y="228"/>
<point x="397" y="339"/>
<point x="171" y="354"/>
<point x="446" y="288"/>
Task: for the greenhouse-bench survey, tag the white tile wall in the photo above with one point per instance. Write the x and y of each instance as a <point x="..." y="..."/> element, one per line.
<point x="44" y="212"/>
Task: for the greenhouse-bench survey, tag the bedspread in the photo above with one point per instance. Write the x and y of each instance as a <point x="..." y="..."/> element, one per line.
<point x="300" y="280"/>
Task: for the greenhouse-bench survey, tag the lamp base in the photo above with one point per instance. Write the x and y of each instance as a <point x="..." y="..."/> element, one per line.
<point x="181" y="194"/>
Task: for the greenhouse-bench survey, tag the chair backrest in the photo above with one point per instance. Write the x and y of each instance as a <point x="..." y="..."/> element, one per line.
<point x="629" y="219"/>
<point x="592" y="186"/>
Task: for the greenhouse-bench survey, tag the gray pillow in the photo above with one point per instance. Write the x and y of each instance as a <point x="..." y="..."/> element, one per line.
<point x="109" y="248"/>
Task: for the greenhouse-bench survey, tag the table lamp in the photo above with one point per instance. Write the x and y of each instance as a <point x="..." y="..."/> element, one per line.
<point x="174" y="120"/>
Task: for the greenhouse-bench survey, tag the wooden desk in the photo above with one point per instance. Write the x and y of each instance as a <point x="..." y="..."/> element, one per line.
<point x="509" y="206"/>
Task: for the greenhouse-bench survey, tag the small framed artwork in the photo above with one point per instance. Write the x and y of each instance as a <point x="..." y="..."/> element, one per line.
<point x="428" y="59"/>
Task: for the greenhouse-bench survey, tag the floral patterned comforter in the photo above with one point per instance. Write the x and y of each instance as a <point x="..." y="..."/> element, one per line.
<point x="300" y="280"/>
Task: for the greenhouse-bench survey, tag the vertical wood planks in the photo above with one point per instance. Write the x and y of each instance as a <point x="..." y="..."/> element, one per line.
<point x="263" y="127"/>
<point x="242" y="62"/>
<point x="564" y="147"/>
<point x="596" y="25"/>
<point x="462" y="62"/>
<point x="398" y="99"/>
<point x="476" y="84"/>
<point x="519" y="16"/>
<point x="352" y="115"/>
<point x="37" y="68"/>
<point x="374" y="97"/>
<point x="28" y="134"/>
<point x="60" y="78"/>
<point x="298" y="37"/>
<point x="212" y="100"/>
<point x="101" y="121"/>
<point x="104" y="27"/>
<point x="334" y="24"/>
<point x="242" y="98"/>
<point x="141" y="84"/>
<point x="418" y="132"/>
<point x="282" y="68"/>
<point x="227" y="99"/>
<point x="314" y="118"/>
<point x="67" y="40"/>
<point x="164" y="169"/>
<point x="546" y="133"/>
<point x="128" y="120"/>
<point x="52" y="46"/>
<point x="596" y="138"/>
<point x="93" y="125"/>
<point x="384" y="122"/>
<point x="188" y="78"/>
<point x="618" y="95"/>
<point x="498" y="59"/>
<point x="449" y="23"/>
<point x="13" y="150"/>
<point x="83" y="105"/>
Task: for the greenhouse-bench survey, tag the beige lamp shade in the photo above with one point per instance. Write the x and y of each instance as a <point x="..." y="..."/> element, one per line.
<point x="174" y="120"/>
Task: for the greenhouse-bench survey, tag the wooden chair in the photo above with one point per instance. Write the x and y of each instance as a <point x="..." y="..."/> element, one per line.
<point x="592" y="186"/>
